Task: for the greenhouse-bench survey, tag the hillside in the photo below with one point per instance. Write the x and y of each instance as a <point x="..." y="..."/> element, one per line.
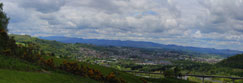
<point x="64" y="49"/>
<point x="79" y="49"/>
<point x="89" y="53"/>
<point x="142" y="44"/>
<point x="234" y="61"/>
<point x="13" y="76"/>
<point x="15" y="70"/>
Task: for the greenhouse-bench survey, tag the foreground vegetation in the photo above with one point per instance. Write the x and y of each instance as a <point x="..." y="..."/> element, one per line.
<point x="13" y="76"/>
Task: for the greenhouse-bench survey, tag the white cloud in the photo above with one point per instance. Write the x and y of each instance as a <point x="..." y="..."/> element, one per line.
<point x="204" y="23"/>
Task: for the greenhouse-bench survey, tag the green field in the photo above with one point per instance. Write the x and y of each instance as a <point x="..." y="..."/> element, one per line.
<point x="28" y="69"/>
<point x="14" y="70"/>
<point x="17" y="64"/>
<point x="13" y="76"/>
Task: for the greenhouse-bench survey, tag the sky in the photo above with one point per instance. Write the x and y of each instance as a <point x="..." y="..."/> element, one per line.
<point x="198" y="23"/>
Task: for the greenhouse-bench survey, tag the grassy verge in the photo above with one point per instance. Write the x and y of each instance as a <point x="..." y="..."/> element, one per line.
<point x="12" y="76"/>
<point x="167" y="80"/>
<point x="12" y="63"/>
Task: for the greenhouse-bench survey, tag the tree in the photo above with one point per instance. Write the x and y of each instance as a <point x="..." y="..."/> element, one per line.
<point x="169" y="74"/>
<point x="3" y="30"/>
<point x="177" y="71"/>
<point x="4" y="20"/>
<point x="111" y="78"/>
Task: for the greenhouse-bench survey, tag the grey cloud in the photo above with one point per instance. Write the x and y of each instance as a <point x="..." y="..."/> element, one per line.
<point x="105" y="5"/>
<point x="44" y="6"/>
<point x="222" y="13"/>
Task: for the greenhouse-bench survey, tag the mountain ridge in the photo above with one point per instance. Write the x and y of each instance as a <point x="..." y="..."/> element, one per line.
<point x="143" y="44"/>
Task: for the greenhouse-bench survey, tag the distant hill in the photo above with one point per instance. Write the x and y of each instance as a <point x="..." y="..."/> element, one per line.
<point x="142" y="44"/>
<point x="234" y="61"/>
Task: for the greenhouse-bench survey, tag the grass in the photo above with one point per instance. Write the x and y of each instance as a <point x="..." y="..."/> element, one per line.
<point x="104" y="70"/>
<point x="12" y="63"/>
<point x="14" y="70"/>
<point x="167" y="80"/>
<point x="17" y="64"/>
<point x="13" y="76"/>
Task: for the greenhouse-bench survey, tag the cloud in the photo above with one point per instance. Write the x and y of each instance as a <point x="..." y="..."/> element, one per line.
<point x="203" y="23"/>
<point x="224" y="15"/>
<point x="44" y="6"/>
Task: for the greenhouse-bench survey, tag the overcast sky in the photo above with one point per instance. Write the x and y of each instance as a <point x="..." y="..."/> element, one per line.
<point x="200" y="23"/>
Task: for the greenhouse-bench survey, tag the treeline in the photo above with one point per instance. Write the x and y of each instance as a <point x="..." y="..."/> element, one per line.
<point x="31" y="52"/>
